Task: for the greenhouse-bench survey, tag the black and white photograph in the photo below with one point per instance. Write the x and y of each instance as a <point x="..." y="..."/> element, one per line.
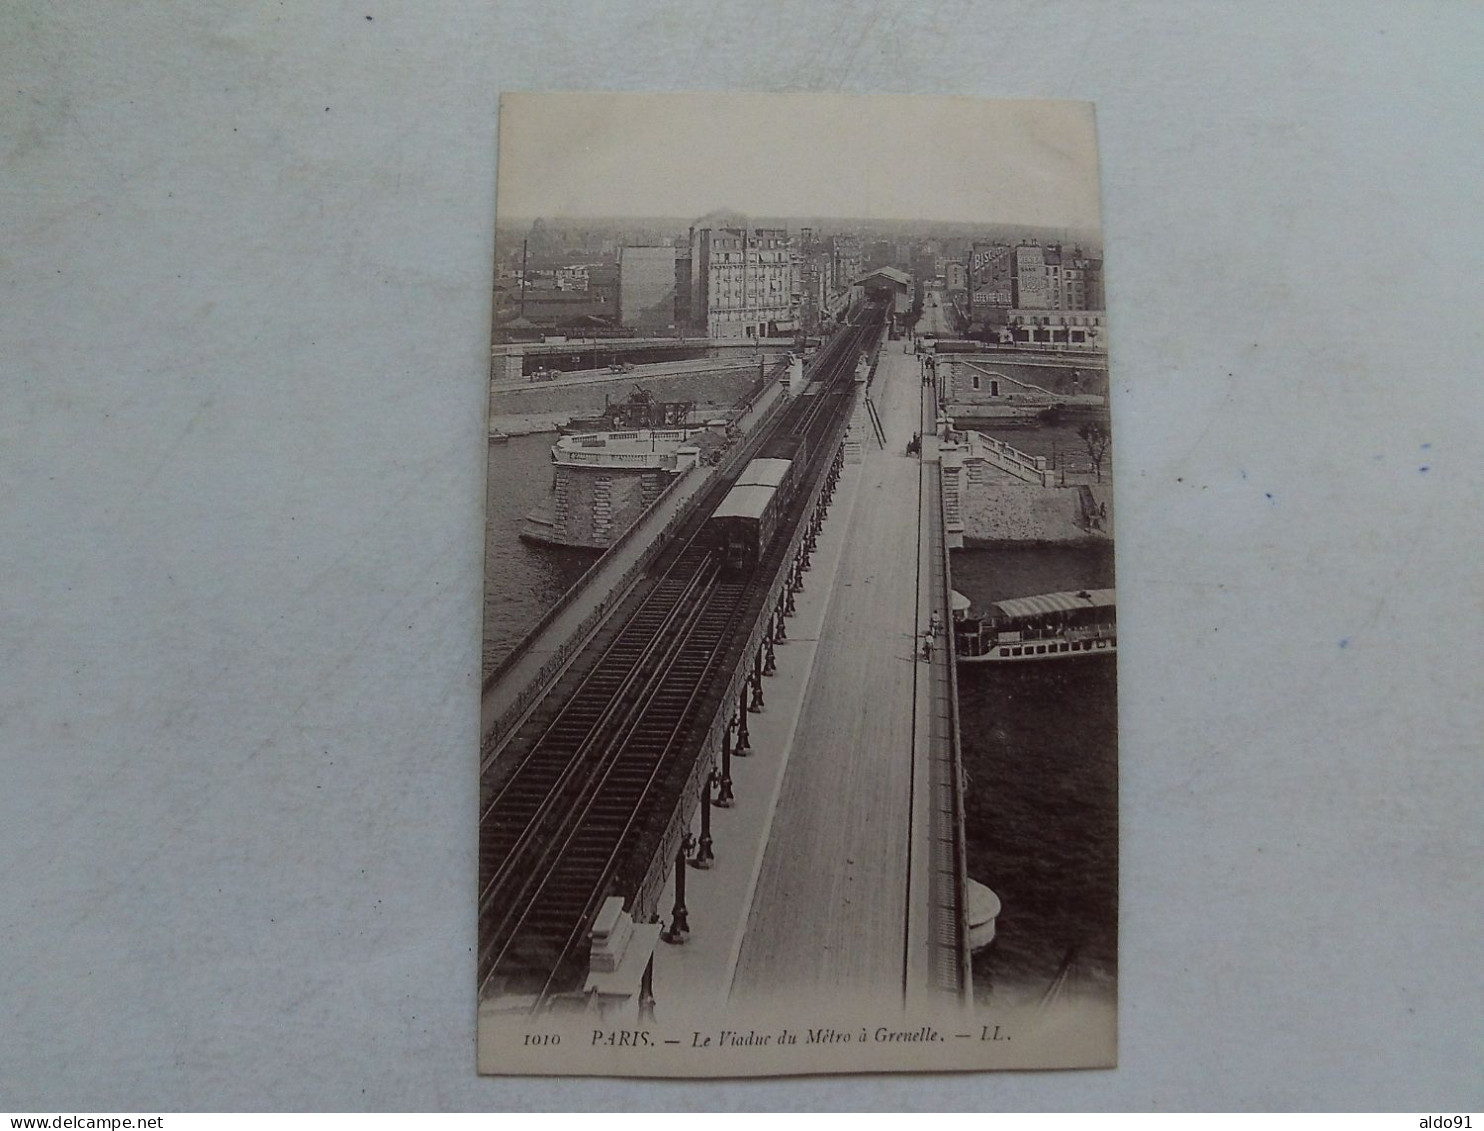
<point x="799" y="701"/>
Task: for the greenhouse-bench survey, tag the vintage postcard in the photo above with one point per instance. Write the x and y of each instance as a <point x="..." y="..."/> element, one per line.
<point x="799" y="718"/>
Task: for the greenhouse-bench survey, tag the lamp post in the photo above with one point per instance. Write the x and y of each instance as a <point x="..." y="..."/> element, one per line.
<point x="744" y="744"/>
<point x="704" y="857"/>
<point x="675" y="934"/>
<point x="724" y="795"/>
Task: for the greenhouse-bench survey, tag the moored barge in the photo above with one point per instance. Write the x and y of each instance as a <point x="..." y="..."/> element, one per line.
<point x="1050" y="626"/>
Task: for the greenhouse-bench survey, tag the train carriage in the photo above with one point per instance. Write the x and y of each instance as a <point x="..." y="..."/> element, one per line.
<point x="781" y="450"/>
<point x="791" y="448"/>
<point x="742" y="527"/>
<point x="772" y="473"/>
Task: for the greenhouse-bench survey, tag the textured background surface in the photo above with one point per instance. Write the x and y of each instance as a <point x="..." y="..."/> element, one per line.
<point x="243" y="328"/>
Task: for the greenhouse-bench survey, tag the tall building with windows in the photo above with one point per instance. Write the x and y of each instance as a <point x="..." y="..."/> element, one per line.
<point x="741" y="282"/>
<point x="813" y="292"/>
<point x="1056" y="296"/>
<point x="991" y="274"/>
<point x="1032" y="289"/>
<point x="1081" y="281"/>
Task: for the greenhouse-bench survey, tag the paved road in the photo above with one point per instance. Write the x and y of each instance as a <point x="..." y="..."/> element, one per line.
<point x="935" y="316"/>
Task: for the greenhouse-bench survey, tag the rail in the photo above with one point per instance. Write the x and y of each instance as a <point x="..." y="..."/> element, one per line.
<point x="627" y="658"/>
<point x="569" y="955"/>
<point x="523" y="644"/>
<point x="586" y="763"/>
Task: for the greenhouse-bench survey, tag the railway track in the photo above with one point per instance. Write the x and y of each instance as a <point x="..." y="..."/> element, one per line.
<point x="553" y="832"/>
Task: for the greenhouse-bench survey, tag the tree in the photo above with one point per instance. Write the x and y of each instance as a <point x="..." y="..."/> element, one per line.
<point x="1097" y="442"/>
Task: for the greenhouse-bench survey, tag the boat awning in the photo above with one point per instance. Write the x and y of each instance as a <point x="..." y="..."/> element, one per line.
<point x="1057" y="603"/>
<point x="959" y="603"/>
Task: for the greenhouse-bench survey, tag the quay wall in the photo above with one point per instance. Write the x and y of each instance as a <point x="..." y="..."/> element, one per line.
<point x="593" y="506"/>
<point x="513" y="359"/>
<point x="1053" y="374"/>
<point x="998" y="494"/>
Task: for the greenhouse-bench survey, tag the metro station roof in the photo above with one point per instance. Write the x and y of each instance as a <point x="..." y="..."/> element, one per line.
<point x="890" y="274"/>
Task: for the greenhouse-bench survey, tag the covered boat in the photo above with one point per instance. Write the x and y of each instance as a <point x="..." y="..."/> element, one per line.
<point x="1048" y="626"/>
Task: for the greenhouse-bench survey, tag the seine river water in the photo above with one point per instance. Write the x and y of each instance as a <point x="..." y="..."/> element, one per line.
<point x="521" y="581"/>
<point x="1040" y="750"/>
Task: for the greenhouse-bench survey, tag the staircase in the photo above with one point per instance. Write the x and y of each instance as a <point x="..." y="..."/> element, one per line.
<point x="953" y="519"/>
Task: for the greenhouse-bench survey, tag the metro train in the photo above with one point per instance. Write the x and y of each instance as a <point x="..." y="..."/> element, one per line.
<point x="742" y="527"/>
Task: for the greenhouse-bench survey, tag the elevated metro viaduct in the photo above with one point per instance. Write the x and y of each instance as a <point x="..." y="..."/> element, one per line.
<point x="678" y="743"/>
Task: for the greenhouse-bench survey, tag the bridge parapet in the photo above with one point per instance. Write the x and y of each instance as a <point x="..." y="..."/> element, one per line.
<point x="1031" y="469"/>
<point x="666" y="448"/>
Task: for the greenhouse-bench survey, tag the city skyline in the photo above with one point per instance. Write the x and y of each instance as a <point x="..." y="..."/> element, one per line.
<point x="587" y="156"/>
